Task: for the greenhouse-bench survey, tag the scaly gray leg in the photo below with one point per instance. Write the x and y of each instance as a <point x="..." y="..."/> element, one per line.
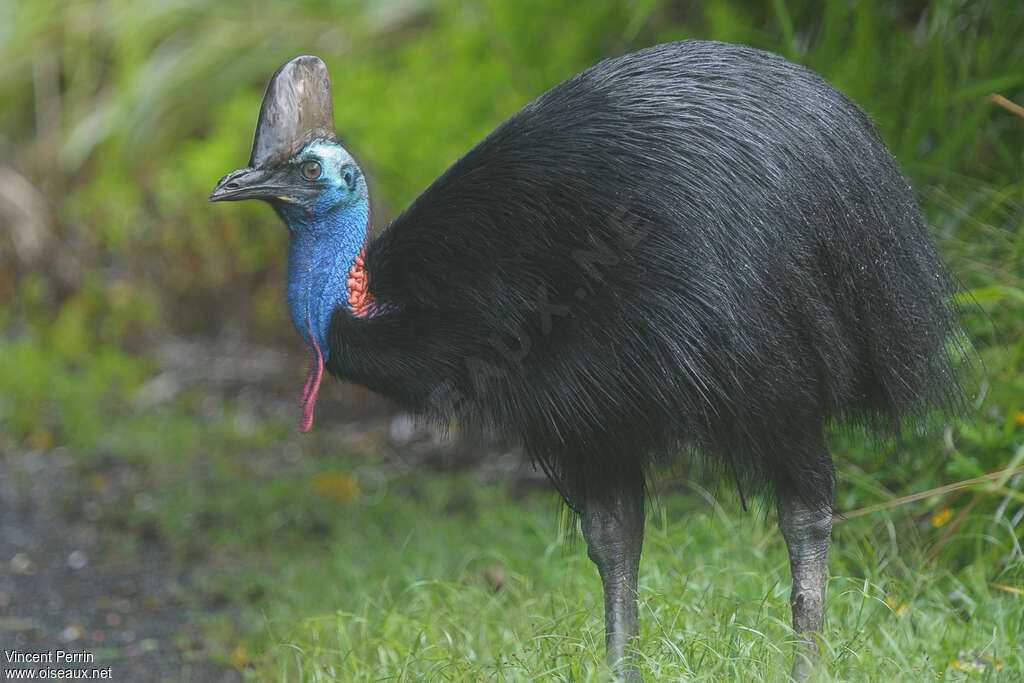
<point x="807" y="531"/>
<point x="613" y="526"/>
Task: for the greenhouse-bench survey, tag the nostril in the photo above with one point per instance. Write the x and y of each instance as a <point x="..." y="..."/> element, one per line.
<point x="231" y="186"/>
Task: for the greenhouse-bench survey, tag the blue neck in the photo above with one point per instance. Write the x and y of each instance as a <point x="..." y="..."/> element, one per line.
<point x="324" y="245"/>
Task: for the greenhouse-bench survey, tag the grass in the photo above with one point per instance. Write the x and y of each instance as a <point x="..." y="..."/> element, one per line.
<point x="449" y="579"/>
<point x="713" y="599"/>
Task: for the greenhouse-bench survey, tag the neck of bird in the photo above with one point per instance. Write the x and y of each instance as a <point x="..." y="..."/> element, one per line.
<point x="325" y="268"/>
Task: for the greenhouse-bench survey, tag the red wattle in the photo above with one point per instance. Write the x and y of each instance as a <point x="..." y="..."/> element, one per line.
<point x="312" y="387"/>
<point x="359" y="299"/>
<point x="309" y="378"/>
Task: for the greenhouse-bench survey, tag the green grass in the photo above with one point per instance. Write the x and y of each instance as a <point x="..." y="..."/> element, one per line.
<point x="403" y="588"/>
<point x="713" y="600"/>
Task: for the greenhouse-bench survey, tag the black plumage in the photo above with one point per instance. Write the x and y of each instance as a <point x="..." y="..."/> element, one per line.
<point x="697" y="244"/>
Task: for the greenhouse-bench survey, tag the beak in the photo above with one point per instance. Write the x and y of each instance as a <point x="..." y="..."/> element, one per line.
<point x="247" y="183"/>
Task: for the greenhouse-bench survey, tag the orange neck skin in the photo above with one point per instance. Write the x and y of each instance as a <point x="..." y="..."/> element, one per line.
<point x="359" y="299"/>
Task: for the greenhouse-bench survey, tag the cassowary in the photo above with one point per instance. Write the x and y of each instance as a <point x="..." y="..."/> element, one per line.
<point x="698" y="250"/>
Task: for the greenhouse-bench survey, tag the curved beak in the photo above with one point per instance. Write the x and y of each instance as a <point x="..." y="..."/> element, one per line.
<point x="247" y="183"/>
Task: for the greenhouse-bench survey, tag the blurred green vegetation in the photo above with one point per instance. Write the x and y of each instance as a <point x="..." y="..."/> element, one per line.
<point x="117" y="118"/>
<point x="124" y="114"/>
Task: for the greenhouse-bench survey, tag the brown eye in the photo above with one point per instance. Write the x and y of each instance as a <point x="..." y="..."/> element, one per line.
<point x="311" y="170"/>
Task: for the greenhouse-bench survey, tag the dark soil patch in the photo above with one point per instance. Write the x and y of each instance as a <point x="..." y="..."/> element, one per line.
<point x="73" y="585"/>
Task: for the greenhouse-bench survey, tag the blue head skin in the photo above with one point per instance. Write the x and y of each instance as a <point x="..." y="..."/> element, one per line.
<point x="321" y="194"/>
<point x="328" y="231"/>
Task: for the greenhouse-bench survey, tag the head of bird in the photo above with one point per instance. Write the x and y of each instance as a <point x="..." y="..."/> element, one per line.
<point x="316" y="187"/>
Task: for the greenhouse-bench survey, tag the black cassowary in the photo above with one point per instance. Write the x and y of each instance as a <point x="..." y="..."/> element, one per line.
<point x="694" y="249"/>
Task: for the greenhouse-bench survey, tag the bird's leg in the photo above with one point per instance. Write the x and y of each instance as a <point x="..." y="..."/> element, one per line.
<point x="807" y="531"/>
<point x="613" y="526"/>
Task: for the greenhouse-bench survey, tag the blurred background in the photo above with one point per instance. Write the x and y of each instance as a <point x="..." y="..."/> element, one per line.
<point x="158" y="505"/>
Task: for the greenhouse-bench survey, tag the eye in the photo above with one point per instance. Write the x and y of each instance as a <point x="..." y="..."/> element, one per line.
<point x="348" y="177"/>
<point x="311" y="170"/>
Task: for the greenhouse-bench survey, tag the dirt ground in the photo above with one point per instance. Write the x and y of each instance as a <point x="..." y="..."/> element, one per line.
<point x="71" y="585"/>
<point x="71" y="582"/>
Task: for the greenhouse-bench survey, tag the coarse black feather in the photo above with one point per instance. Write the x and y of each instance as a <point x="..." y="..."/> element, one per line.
<point x="697" y="247"/>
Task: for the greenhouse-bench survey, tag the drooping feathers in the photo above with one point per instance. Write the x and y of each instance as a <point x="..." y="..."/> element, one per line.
<point x="695" y="248"/>
<point x="698" y="244"/>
